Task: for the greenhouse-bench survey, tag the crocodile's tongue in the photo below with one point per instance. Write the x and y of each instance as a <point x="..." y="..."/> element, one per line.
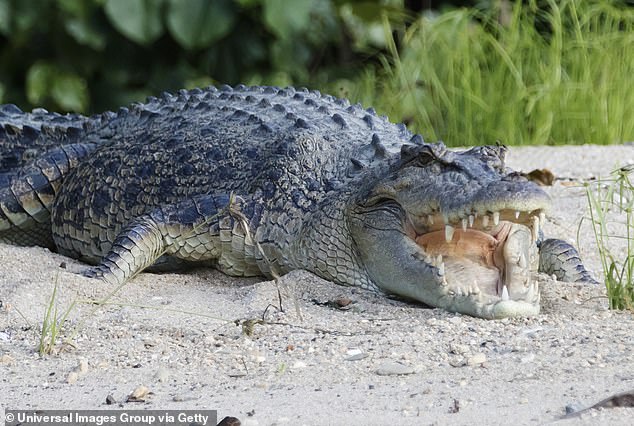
<point x="491" y="261"/>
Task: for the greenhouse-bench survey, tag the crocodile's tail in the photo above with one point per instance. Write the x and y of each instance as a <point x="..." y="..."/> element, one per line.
<point x="25" y="136"/>
<point x="37" y="150"/>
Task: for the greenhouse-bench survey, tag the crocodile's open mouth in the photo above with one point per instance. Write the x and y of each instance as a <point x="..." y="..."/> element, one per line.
<point x="489" y="259"/>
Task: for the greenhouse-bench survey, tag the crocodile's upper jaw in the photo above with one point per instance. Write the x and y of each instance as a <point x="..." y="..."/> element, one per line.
<point x="486" y="264"/>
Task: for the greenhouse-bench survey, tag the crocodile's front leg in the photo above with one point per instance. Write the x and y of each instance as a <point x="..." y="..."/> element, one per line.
<point x="201" y="229"/>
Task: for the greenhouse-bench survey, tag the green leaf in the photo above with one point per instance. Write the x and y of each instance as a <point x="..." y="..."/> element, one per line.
<point x="30" y="16"/>
<point x="286" y="19"/>
<point x="85" y="34"/>
<point x="38" y="80"/>
<point x="197" y="23"/>
<point x="45" y="81"/>
<point x="291" y="56"/>
<point x="79" y="20"/>
<point x="5" y="17"/>
<point x="248" y="3"/>
<point x="369" y="11"/>
<point x="138" y="20"/>
<point x="70" y="92"/>
<point x="200" y="81"/>
<point x="74" y="7"/>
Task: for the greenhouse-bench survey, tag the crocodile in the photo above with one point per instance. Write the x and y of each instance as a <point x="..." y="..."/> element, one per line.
<point x="264" y="180"/>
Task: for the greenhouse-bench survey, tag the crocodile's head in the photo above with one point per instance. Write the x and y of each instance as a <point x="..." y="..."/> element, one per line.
<point x="455" y="230"/>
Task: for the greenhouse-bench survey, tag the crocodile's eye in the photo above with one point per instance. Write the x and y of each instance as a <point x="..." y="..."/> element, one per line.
<point x="497" y="151"/>
<point x="494" y="155"/>
<point x="417" y="155"/>
<point x="426" y="155"/>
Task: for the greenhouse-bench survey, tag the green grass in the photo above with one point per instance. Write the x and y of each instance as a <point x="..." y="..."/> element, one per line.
<point x="609" y="199"/>
<point x="52" y="325"/>
<point x="562" y="75"/>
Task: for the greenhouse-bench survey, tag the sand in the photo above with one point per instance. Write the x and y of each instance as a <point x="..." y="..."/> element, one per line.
<point x="377" y="361"/>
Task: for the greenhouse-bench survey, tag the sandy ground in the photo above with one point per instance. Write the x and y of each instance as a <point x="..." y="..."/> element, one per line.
<point x="378" y="362"/>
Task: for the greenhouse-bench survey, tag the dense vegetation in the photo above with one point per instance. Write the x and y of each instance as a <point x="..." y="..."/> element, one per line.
<point x="561" y="74"/>
<point x="538" y="71"/>
<point x="611" y="201"/>
<point x="87" y="55"/>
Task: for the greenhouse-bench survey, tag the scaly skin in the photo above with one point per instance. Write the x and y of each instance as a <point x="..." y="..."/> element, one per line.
<point x="262" y="181"/>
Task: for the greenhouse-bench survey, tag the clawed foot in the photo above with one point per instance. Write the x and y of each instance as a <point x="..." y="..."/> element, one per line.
<point x="93" y="272"/>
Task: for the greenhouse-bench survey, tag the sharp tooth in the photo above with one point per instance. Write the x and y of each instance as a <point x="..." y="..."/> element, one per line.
<point x="471" y="220"/>
<point x="496" y="218"/>
<point x="438" y="260"/>
<point x="464" y="224"/>
<point x="475" y="289"/>
<point x="517" y="214"/>
<point x="505" y="293"/>
<point x="542" y="218"/>
<point x="441" y="269"/>
<point x="522" y="261"/>
<point x="430" y="219"/>
<point x="535" y="228"/>
<point x="485" y="220"/>
<point x="444" y="281"/>
<point x="448" y="233"/>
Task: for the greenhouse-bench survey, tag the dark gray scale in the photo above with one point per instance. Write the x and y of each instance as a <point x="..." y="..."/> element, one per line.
<point x="557" y="257"/>
<point x="337" y="118"/>
<point x="379" y="149"/>
<point x="26" y="136"/>
<point x="28" y="192"/>
<point x="369" y="121"/>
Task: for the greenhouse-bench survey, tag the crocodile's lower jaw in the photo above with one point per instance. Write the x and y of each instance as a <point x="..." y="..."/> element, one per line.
<point x="486" y="270"/>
